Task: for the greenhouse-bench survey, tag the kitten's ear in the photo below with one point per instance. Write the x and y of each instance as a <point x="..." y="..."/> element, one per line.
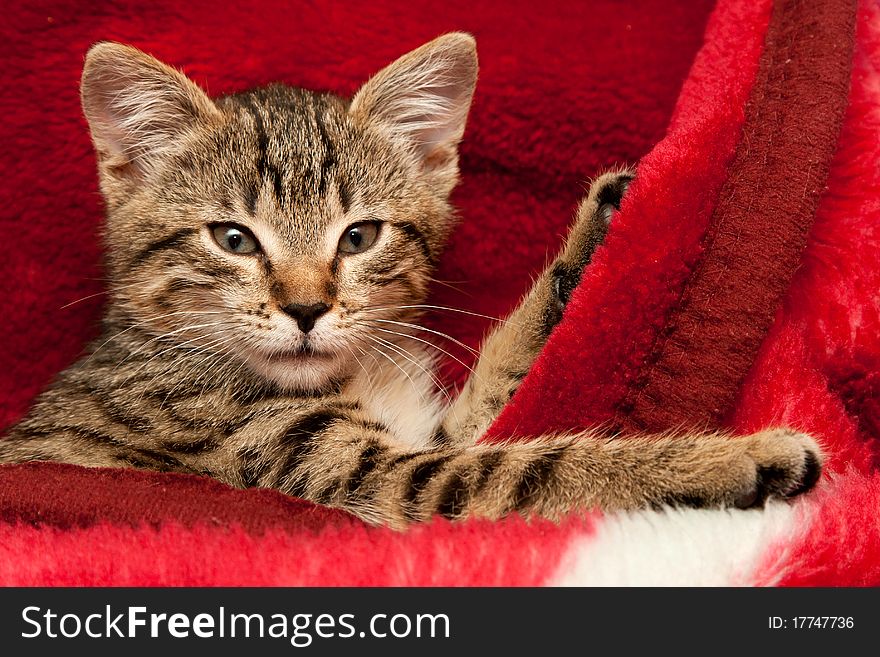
<point x="423" y="99"/>
<point x="137" y="108"/>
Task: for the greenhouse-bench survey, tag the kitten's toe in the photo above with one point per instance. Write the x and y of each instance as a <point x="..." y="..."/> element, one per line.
<point x="811" y="474"/>
<point x="788" y="464"/>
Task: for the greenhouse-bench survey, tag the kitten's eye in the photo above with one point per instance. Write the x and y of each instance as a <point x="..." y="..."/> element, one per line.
<point x="359" y="237"/>
<point x="235" y="239"/>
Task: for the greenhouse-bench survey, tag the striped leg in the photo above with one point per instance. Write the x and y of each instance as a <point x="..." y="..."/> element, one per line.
<point x="339" y="460"/>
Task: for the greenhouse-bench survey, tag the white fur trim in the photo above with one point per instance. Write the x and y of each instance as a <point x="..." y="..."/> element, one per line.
<point x="680" y="547"/>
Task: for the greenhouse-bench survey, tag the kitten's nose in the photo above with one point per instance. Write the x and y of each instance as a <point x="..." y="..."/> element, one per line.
<point x="306" y="314"/>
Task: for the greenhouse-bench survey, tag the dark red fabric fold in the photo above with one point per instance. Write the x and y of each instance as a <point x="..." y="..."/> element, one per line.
<point x="759" y="228"/>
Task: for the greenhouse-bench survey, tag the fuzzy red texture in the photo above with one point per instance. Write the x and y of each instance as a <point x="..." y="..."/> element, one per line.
<point x="61" y="525"/>
<point x="793" y="120"/>
<point x="838" y="543"/>
<point x="440" y="553"/>
<point x="818" y="368"/>
<point x="54" y="494"/>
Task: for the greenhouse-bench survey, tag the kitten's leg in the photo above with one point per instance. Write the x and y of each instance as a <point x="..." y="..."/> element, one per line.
<point x="508" y="352"/>
<point x="351" y="465"/>
<point x="87" y="446"/>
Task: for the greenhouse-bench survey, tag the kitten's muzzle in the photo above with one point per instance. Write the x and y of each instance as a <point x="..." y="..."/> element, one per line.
<point x="306" y="314"/>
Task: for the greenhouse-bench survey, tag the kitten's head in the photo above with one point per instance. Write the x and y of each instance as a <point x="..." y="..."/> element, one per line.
<point x="275" y="226"/>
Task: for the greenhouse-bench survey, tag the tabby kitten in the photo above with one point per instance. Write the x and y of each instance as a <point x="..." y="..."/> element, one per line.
<point x="268" y="253"/>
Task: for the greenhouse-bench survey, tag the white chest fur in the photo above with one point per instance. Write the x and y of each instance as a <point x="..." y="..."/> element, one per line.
<point x="399" y="392"/>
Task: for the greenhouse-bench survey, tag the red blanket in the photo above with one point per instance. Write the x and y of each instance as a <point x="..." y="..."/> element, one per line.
<point x="737" y="288"/>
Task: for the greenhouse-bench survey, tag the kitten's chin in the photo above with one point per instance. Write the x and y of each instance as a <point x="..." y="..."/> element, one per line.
<point x="300" y="372"/>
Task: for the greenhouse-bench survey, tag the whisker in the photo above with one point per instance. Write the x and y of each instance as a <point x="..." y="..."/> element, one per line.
<point x="222" y="339"/>
<point x="213" y="360"/>
<point x="198" y="349"/>
<point x="360" y="364"/>
<point x="411" y="358"/>
<point x="431" y="344"/>
<point x="165" y="336"/>
<point x="205" y="366"/>
<point x="357" y="344"/>
<point x="181" y="345"/>
<point x="243" y="341"/>
<point x="147" y="321"/>
<point x="424" y="328"/>
<point x="451" y="286"/>
<point x="445" y="308"/>
<point x="98" y="294"/>
<point x="449" y="402"/>
<point x="405" y="373"/>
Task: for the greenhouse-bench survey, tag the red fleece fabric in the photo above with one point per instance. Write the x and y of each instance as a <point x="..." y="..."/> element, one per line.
<point x="818" y="368"/>
<point x="564" y="91"/>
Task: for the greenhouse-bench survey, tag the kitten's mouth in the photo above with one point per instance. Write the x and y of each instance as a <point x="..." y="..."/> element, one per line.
<point x="300" y="354"/>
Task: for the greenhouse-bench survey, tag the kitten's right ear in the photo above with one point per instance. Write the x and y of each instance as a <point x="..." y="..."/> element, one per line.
<point x="138" y="108"/>
<point x="422" y="101"/>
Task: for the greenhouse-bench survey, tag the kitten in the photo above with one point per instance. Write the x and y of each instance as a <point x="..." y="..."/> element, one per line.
<point x="268" y="253"/>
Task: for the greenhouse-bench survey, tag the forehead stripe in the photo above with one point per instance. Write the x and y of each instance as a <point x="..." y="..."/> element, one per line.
<point x="266" y="170"/>
<point x="329" y="161"/>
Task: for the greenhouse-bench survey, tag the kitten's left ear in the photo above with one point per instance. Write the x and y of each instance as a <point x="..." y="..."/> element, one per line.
<point x="422" y="100"/>
<point x="138" y="109"/>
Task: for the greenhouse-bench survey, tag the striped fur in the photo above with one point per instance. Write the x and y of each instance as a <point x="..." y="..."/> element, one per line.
<point x="201" y="369"/>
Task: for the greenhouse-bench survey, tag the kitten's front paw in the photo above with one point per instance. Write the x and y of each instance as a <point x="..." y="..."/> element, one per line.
<point x="787" y="463"/>
<point x="745" y="472"/>
<point x="606" y="194"/>
<point x="594" y="215"/>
